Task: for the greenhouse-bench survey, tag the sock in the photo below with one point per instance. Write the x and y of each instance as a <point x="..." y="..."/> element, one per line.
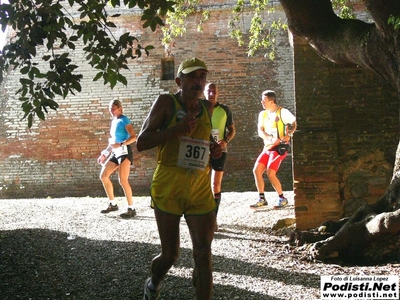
<point x="217" y="198"/>
<point x="281" y="196"/>
<point x="113" y="202"/>
<point x="151" y="285"/>
<point x="130" y="206"/>
<point x="262" y="196"/>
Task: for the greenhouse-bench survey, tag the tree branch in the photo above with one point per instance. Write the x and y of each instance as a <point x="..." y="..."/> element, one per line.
<point x="344" y="41"/>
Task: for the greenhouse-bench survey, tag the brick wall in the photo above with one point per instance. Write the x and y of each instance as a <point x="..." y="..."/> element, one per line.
<point x="57" y="157"/>
<point x="343" y="151"/>
<point x="345" y="147"/>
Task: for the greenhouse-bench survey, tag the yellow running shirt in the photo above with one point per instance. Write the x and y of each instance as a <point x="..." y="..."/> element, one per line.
<point x="181" y="183"/>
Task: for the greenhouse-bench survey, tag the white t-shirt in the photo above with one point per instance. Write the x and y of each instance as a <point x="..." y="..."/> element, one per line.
<point x="269" y="120"/>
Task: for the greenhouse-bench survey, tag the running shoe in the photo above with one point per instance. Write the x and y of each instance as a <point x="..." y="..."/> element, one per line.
<point x="129" y="214"/>
<point x="282" y="202"/>
<point x="259" y="203"/>
<point x="149" y="294"/>
<point x="110" y="208"/>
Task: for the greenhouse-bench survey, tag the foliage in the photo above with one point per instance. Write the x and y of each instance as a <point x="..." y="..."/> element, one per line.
<point x="262" y="33"/>
<point x="177" y="19"/>
<point x="395" y="21"/>
<point x="56" y="27"/>
<point x="346" y="10"/>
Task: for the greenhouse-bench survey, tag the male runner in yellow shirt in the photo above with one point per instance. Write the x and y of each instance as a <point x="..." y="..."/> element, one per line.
<point x="179" y="126"/>
<point x="223" y="131"/>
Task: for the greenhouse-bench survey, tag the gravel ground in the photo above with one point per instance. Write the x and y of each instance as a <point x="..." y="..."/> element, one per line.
<point x="65" y="249"/>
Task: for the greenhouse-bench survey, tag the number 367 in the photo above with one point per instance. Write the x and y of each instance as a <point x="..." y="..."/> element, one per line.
<point x="195" y="152"/>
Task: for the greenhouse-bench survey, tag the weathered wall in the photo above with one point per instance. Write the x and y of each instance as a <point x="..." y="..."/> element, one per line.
<point x="57" y="157"/>
<point x="343" y="151"/>
<point x="345" y="147"/>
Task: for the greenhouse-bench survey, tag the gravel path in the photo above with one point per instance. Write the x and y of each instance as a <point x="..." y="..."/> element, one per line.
<point x="65" y="249"/>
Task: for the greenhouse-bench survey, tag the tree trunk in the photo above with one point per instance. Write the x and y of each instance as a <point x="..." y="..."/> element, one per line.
<point x="374" y="46"/>
<point x="371" y="235"/>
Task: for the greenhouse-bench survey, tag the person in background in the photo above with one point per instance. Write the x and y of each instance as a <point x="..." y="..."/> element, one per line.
<point x="179" y="125"/>
<point x="223" y="131"/>
<point x="118" y="156"/>
<point x="276" y="125"/>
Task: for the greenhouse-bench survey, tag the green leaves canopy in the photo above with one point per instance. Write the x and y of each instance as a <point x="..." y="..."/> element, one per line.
<point x="55" y="25"/>
<point x="59" y="25"/>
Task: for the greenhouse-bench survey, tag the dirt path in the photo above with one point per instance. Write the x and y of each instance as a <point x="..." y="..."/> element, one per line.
<point x="65" y="249"/>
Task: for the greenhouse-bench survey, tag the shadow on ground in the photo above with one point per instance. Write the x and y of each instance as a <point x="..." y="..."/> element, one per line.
<point x="45" y="264"/>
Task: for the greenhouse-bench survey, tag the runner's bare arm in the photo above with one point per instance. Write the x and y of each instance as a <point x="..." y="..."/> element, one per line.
<point x="154" y="131"/>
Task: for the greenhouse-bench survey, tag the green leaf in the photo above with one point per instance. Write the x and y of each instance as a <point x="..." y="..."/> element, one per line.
<point x="71" y="45"/>
<point x="111" y="24"/>
<point x="98" y="76"/>
<point x="40" y="114"/>
<point x="25" y="70"/>
<point x="77" y="86"/>
<point x="25" y="81"/>
<point x="140" y="3"/>
<point x="123" y="39"/>
<point x="112" y="79"/>
<point x="149" y="47"/>
<point x="52" y="104"/>
<point x="30" y="120"/>
<point x="56" y="89"/>
<point x="115" y="3"/>
<point x="122" y="79"/>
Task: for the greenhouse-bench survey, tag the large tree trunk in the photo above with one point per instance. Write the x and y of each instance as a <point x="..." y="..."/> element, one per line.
<point x="374" y="46"/>
<point x="371" y="235"/>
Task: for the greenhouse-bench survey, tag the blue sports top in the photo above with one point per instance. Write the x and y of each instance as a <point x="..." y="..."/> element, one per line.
<point x="118" y="131"/>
